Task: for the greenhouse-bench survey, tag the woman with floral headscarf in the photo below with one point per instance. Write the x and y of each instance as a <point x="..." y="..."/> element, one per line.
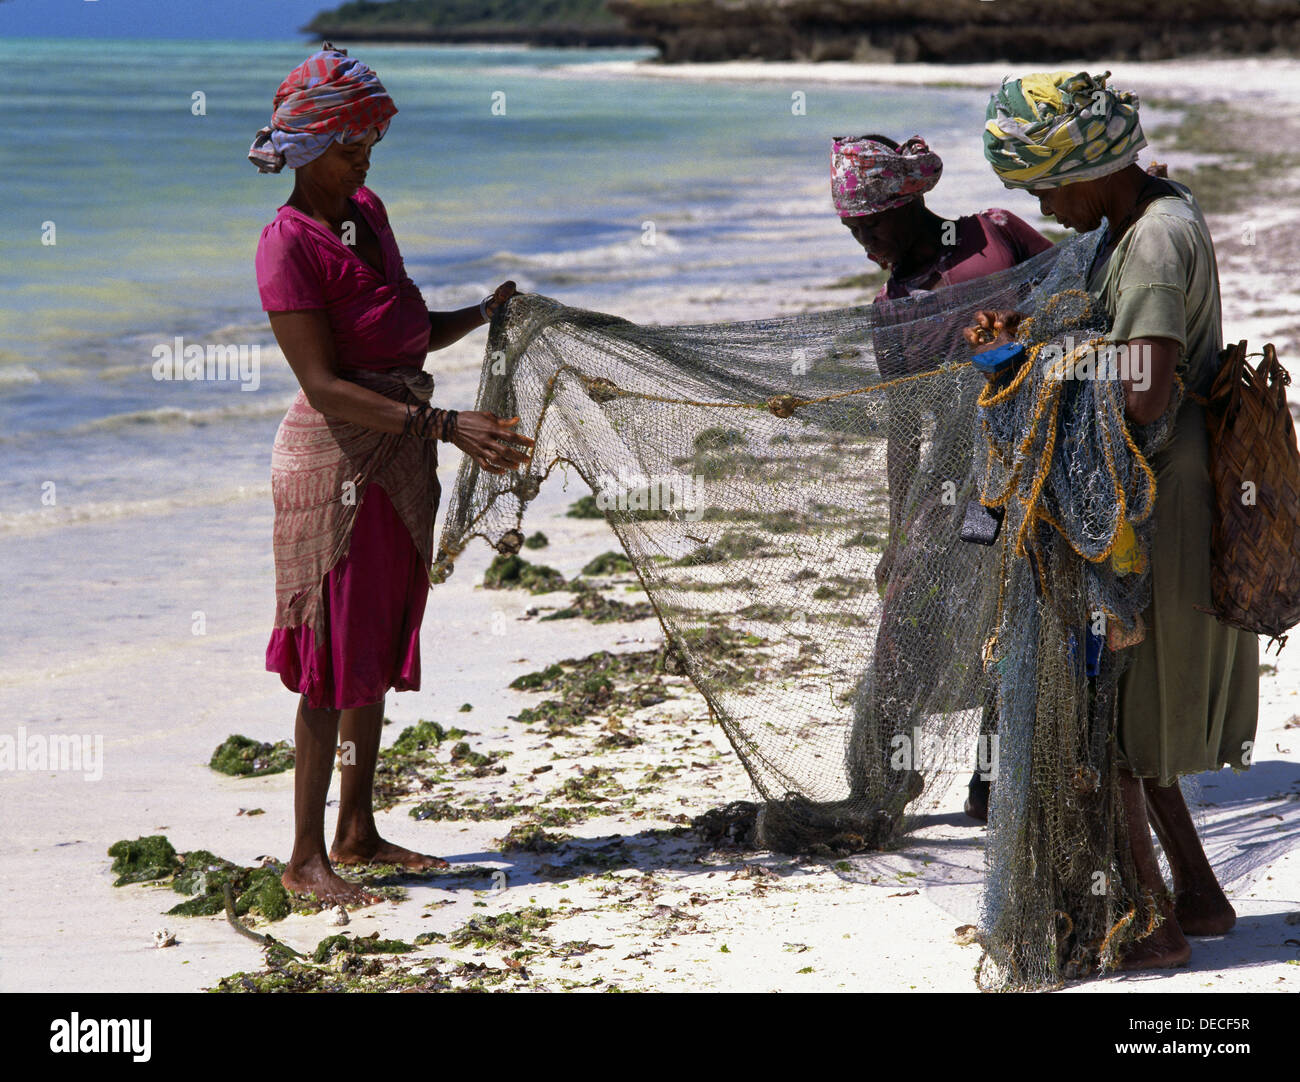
<point x="353" y="471"/>
<point x="878" y="188"/>
<point x="1189" y="698"/>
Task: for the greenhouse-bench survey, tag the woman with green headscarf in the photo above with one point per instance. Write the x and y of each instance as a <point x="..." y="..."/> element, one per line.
<point x="1188" y="701"/>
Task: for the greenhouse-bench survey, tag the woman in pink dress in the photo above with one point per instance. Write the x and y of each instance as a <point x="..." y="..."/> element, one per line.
<point x="353" y="471"/>
<point x="878" y="188"/>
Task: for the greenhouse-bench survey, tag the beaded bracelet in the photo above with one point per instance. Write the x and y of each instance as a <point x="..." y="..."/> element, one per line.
<point x="423" y="420"/>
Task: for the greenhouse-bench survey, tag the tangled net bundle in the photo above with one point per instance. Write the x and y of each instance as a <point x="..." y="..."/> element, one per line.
<point x="757" y="473"/>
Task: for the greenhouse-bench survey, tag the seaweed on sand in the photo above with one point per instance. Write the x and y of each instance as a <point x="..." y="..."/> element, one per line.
<point x="530" y="838"/>
<point x="241" y="756"/>
<point x="600" y="683"/>
<point x="203" y="877"/>
<point x="516" y="573"/>
<point x="503" y="931"/>
<point x="608" y="563"/>
<point x="408" y="764"/>
<point x="339" y="963"/>
<point x="143" y="860"/>
<point x="599" y="609"/>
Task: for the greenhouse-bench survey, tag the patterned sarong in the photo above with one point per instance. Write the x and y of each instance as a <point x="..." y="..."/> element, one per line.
<point x="320" y="468"/>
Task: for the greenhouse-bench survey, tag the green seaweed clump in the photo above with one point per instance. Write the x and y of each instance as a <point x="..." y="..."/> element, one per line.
<point x="596" y="607"/>
<point x="443" y="811"/>
<point x="516" y="573"/>
<point x="256" y="890"/>
<point x="536" y="540"/>
<point x="865" y="539"/>
<point x="463" y="755"/>
<point x="407" y="765"/>
<point x="587" y="787"/>
<point x="532" y="681"/>
<point x="242" y="756"/>
<point x="557" y="716"/>
<point x="203" y="875"/>
<point x="530" y="838"/>
<point x="503" y="931"/>
<point x="585" y="508"/>
<point x="591" y="685"/>
<point x="733" y="544"/>
<point x="716" y="453"/>
<point x="608" y="563"/>
<point x="143" y="860"/>
<point x="423" y="734"/>
<point x="370" y="944"/>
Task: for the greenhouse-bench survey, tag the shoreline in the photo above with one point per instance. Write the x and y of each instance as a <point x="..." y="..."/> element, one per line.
<point x="1224" y="76"/>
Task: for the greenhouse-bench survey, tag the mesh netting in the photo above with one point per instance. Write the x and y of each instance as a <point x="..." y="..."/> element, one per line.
<point x="791" y="493"/>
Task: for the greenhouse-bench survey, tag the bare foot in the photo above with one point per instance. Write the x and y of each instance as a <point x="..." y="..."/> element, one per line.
<point x="1164" y="948"/>
<point x="318" y="878"/>
<point x="378" y="851"/>
<point x="1202" y="913"/>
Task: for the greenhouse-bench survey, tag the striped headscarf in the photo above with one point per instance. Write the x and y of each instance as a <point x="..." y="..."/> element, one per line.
<point x="868" y="176"/>
<point x="327" y="97"/>
<point x="1052" y="128"/>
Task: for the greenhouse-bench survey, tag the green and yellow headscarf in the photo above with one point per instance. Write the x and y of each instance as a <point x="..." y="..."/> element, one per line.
<point x="1053" y="128"/>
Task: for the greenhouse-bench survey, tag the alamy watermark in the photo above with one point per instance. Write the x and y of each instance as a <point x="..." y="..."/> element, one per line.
<point x="659" y="492"/>
<point x="921" y="751"/>
<point x="69" y="752"/>
<point x="1131" y="363"/>
<point x="112" y="1035"/>
<point x="222" y="362"/>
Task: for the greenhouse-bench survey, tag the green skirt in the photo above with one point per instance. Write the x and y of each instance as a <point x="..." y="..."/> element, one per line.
<point x="1189" y="700"/>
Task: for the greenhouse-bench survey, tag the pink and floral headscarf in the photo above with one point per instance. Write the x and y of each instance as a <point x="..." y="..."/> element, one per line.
<point x="868" y="176"/>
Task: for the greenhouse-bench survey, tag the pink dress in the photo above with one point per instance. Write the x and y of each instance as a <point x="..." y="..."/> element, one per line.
<point x="991" y="241"/>
<point x="373" y="598"/>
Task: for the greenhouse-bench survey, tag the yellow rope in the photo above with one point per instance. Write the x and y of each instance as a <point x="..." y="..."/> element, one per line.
<point x="1116" y="928"/>
<point x="1032" y="509"/>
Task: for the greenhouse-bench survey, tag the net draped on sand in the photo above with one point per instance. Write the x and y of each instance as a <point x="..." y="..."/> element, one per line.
<point x="744" y="468"/>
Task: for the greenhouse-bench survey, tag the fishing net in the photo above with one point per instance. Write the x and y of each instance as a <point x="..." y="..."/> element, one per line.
<point x="791" y="493"/>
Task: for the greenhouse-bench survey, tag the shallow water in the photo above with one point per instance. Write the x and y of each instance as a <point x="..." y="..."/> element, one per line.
<point x="595" y="188"/>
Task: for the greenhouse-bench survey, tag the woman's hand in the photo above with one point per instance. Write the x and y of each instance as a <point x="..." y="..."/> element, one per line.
<point x="503" y="293"/>
<point x="490" y="441"/>
<point x="992" y="329"/>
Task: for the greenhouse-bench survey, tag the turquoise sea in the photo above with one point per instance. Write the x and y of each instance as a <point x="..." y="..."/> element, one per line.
<point x="131" y="156"/>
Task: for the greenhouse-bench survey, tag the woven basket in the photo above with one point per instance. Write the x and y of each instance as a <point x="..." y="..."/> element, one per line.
<point x="1255" y="466"/>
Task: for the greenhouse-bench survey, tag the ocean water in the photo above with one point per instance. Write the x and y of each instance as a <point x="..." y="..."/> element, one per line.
<point x="156" y="211"/>
<point x="155" y="214"/>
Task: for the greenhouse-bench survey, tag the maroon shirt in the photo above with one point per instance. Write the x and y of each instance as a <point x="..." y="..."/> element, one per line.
<point x="992" y="241"/>
<point x="377" y="320"/>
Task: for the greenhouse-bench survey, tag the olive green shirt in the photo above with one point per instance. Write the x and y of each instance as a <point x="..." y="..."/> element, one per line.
<point x="1161" y="281"/>
<point x="1189" y="699"/>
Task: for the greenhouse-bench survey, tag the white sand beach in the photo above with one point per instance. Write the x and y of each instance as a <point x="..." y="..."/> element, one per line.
<point x="634" y="901"/>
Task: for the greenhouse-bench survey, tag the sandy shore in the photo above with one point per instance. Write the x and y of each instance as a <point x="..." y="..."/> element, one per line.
<point x="633" y="899"/>
<point x="1273" y="79"/>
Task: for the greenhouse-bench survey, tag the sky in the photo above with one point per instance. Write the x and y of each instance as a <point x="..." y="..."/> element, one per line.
<point x="196" y="19"/>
